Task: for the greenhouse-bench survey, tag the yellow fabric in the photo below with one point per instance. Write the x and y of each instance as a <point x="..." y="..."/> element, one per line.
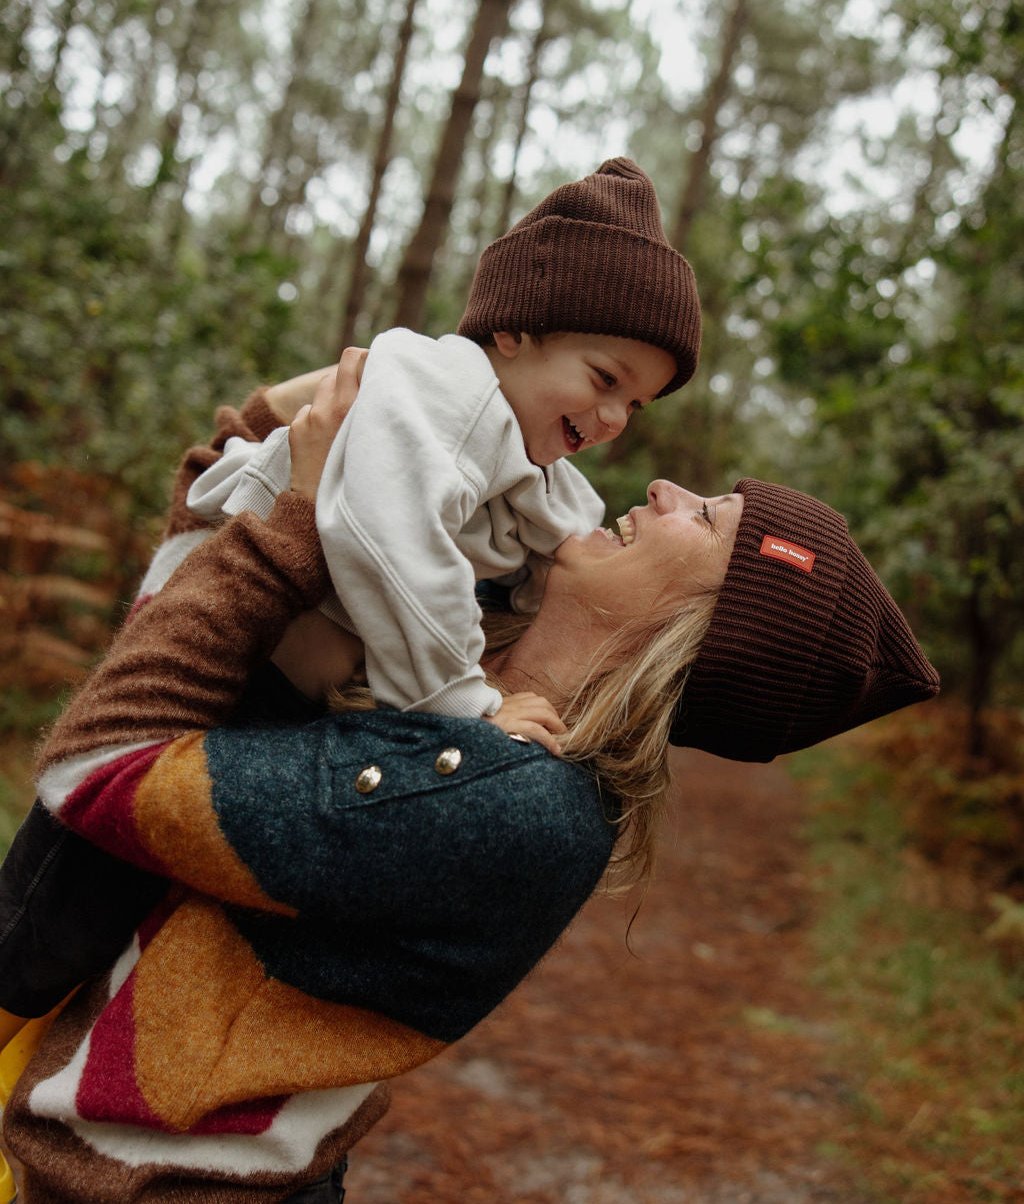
<point x="8" y="1188"/>
<point x="10" y="1026"/>
<point x="21" y="1038"/>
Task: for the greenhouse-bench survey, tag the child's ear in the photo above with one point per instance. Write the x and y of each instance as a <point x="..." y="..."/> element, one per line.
<point x="508" y="344"/>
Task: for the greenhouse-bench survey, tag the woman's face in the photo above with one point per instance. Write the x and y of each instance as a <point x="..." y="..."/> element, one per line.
<point x="675" y="548"/>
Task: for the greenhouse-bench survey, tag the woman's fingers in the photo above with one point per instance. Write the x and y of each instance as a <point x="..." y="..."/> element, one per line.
<point x="315" y="425"/>
<point x="349" y="375"/>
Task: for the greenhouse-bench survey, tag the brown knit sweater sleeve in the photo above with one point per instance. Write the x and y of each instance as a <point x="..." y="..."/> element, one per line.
<point x="182" y="662"/>
<point x="254" y="421"/>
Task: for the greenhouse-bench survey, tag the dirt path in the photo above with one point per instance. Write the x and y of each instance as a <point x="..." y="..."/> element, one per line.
<point x="691" y="1073"/>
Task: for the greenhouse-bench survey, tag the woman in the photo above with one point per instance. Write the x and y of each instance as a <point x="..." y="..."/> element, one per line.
<point x="358" y="891"/>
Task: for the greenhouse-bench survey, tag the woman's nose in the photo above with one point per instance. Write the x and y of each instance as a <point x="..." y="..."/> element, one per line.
<point x="665" y="496"/>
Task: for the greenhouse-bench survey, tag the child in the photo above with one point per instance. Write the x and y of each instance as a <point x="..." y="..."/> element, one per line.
<point x="450" y="466"/>
<point x="581" y="313"/>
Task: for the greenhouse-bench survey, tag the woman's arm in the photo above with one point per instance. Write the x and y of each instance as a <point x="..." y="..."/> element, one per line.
<point x="180" y="666"/>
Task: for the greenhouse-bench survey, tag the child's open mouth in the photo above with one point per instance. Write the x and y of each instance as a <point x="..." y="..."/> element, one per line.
<point x="573" y="439"/>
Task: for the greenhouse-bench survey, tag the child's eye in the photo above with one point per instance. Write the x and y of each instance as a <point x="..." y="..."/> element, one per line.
<point x="636" y="406"/>
<point x="607" y="378"/>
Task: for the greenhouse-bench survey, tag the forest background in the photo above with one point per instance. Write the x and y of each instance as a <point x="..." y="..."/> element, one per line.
<point x="201" y="196"/>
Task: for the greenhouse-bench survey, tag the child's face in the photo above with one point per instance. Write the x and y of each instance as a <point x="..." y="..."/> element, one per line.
<point x="571" y="391"/>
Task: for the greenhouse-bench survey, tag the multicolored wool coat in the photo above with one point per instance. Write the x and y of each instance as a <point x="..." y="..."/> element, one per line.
<point x="321" y="938"/>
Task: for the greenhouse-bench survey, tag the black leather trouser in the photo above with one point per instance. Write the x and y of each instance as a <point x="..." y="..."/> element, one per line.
<point x="328" y="1190"/>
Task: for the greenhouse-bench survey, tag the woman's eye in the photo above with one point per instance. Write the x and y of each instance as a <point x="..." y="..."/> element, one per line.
<point x="707" y="515"/>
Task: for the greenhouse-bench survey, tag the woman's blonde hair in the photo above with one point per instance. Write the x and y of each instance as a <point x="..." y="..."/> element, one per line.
<point x="619" y="720"/>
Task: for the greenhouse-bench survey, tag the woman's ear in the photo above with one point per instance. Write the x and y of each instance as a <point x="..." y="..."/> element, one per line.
<point x="508" y="344"/>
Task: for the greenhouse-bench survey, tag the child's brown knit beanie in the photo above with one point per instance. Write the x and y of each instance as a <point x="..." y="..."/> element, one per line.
<point x="804" y="642"/>
<point x="591" y="258"/>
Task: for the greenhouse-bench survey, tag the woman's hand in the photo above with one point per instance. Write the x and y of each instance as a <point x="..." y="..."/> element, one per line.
<point x="313" y="428"/>
<point x="530" y="717"/>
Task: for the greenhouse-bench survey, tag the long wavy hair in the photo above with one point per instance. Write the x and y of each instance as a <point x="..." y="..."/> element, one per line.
<point x="618" y="718"/>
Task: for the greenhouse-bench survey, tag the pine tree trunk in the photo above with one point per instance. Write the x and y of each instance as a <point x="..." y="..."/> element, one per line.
<point x="540" y="40"/>
<point x="357" y="280"/>
<point x="137" y="108"/>
<point x="497" y="98"/>
<point x="18" y="27"/>
<point x="65" y="21"/>
<point x="18" y="136"/>
<point x="262" y="217"/>
<point x="714" y="99"/>
<point x="418" y="263"/>
<point x="185" y="86"/>
<point x="14" y="125"/>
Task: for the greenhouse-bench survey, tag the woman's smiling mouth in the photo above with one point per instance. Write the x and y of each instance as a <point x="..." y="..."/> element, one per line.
<point x="627" y="531"/>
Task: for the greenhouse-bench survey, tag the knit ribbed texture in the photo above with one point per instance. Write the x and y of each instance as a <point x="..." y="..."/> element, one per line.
<point x="591" y="258"/>
<point x="794" y="656"/>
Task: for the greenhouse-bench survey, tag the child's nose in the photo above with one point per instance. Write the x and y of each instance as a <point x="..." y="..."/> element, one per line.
<point x="614" y="415"/>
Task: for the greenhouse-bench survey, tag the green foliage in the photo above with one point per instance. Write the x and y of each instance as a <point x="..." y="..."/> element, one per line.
<point x="111" y="360"/>
<point x="176" y="222"/>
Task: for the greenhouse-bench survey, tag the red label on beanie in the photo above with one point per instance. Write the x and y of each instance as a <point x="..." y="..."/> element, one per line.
<point x="784" y="549"/>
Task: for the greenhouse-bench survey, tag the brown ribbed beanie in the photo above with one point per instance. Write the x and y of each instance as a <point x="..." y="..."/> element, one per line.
<point x="591" y="258"/>
<point x="804" y="642"/>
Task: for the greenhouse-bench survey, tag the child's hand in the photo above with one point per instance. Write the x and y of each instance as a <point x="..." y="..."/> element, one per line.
<point x="530" y="717"/>
<point x="313" y="429"/>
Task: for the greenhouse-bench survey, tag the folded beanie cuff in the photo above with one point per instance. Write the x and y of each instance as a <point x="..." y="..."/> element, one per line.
<point x="536" y="282"/>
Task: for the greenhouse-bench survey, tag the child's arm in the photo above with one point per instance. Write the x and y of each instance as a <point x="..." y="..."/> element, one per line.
<point x="288" y="397"/>
<point x="395" y="496"/>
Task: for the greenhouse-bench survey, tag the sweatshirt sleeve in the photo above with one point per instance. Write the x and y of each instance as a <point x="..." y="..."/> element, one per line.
<point x="251" y="423"/>
<point x="248" y="476"/>
<point x="185" y="529"/>
<point x="393" y="498"/>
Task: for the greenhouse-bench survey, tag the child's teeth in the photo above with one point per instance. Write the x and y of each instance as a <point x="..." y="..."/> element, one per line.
<point x="626" y="529"/>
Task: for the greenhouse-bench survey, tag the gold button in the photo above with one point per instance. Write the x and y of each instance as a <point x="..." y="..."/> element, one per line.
<point x="448" y="761"/>
<point x="369" y="779"/>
